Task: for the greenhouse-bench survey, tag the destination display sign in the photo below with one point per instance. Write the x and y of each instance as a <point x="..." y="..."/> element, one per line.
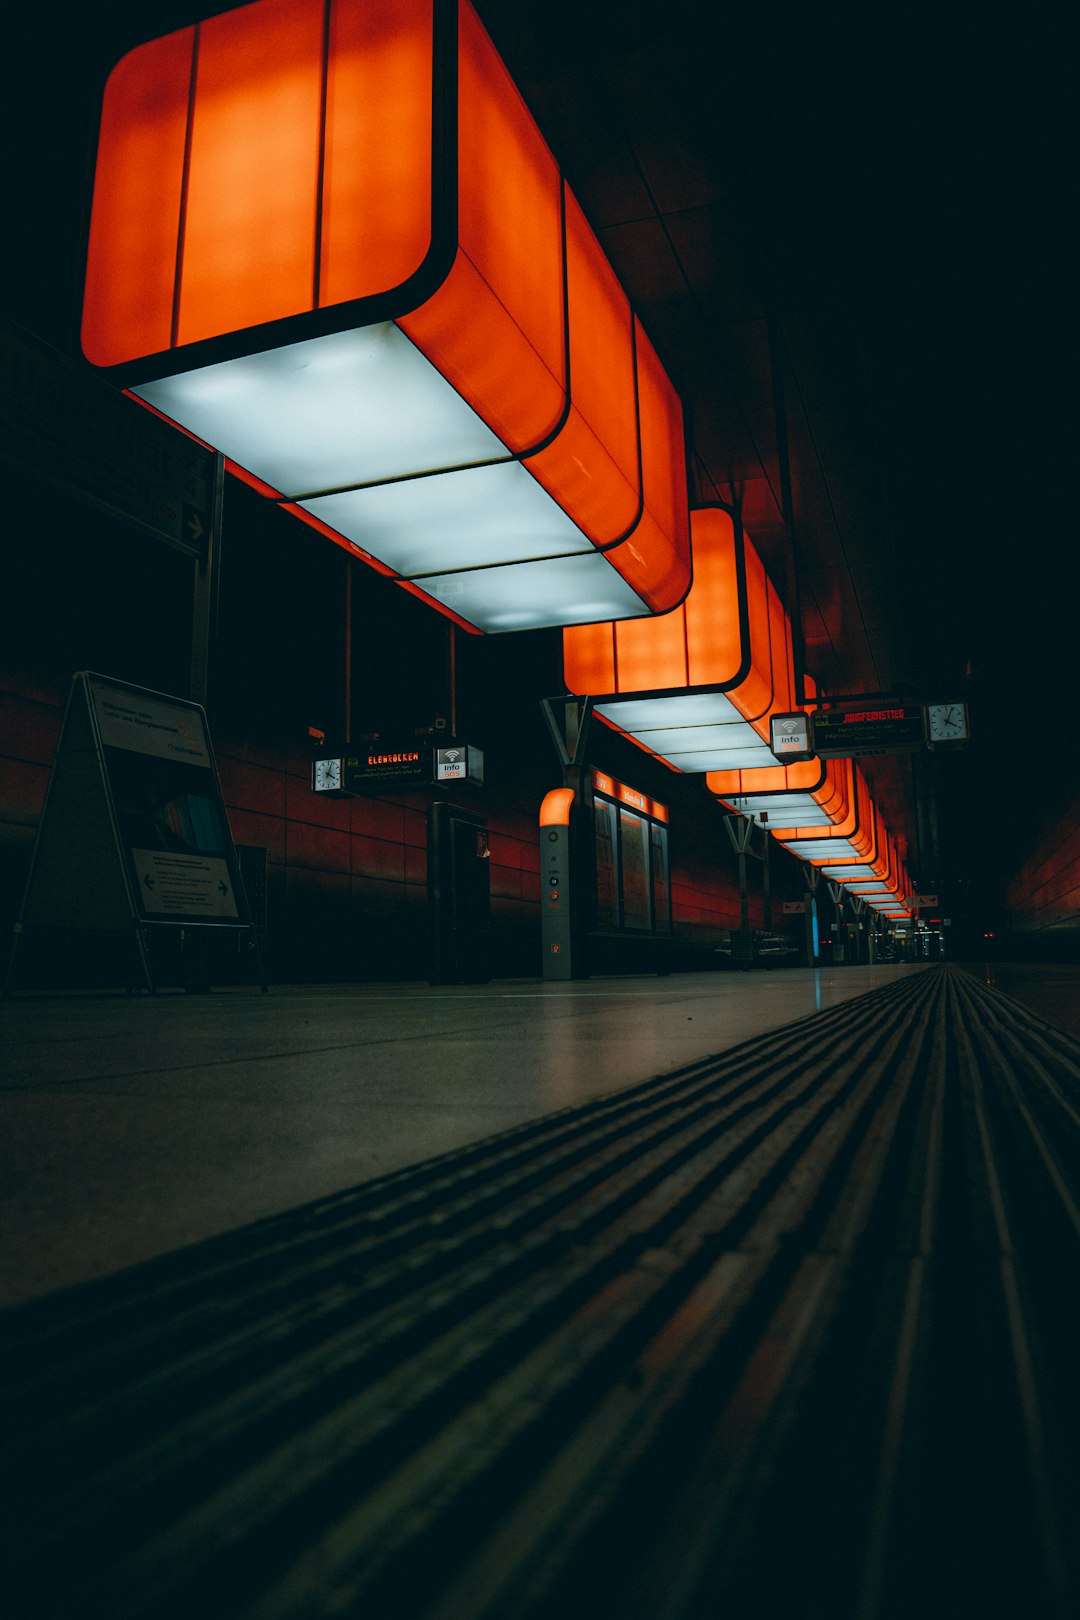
<point x="382" y="767"/>
<point x="871" y="728"/>
<point x="379" y="766"/>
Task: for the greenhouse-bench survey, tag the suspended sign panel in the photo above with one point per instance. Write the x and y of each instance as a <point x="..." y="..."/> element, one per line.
<point x="885" y="728"/>
<point x="382" y="767"/>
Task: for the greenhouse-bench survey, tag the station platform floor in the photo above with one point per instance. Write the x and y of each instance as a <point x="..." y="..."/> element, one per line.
<point x="742" y="1293"/>
<point x="131" y="1126"/>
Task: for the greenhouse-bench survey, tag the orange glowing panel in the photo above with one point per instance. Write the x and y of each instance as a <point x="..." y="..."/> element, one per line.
<point x="607" y="785"/>
<point x="702" y="643"/>
<point x="555" y="807"/>
<point x="810" y="793"/>
<point x="695" y="686"/>
<point x="495" y="328"/>
<point x="377" y="182"/>
<point x="328" y="239"/>
<point x="131" y="265"/>
<point x="596" y="475"/>
<point x="805" y="776"/>
<point x="257" y="107"/>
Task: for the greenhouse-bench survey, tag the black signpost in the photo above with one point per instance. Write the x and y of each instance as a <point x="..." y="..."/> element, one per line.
<point x="879" y="727"/>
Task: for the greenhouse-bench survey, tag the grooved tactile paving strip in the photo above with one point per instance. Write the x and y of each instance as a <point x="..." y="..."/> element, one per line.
<point x="788" y="1332"/>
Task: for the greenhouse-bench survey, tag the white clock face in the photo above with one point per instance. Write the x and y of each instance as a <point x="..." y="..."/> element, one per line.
<point x="326" y="776"/>
<point x="947" y="722"/>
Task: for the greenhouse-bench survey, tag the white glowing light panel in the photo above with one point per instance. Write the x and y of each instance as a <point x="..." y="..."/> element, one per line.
<point x="848" y="874"/>
<point x="702" y="731"/>
<point x="350" y="408"/>
<point x="782" y="809"/>
<point x="334" y="422"/>
<point x="823" y="849"/>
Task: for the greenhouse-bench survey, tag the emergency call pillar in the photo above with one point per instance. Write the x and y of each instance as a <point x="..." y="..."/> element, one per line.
<point x="562" y="939"/>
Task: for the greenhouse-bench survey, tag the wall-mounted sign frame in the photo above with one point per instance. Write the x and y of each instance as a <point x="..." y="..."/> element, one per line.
<point x="871" y="727"/>
<point x="134" y="833"/>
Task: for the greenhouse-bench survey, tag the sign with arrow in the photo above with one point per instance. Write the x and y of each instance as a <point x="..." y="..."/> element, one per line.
<point x="191" y="886"/>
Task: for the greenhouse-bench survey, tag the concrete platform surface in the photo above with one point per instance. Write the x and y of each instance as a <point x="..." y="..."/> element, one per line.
<point x="131" y="1126"/>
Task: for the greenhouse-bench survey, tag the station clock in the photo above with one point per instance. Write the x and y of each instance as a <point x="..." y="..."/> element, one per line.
<point x="326" y="776"/>
<point x="946" y="723"/>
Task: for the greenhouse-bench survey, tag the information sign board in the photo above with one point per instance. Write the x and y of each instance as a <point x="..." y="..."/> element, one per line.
<point x="380" y="767"/>
<point x="872" y="728"/>
<point x="134" y="829"/>
<point x="459" y="762"/>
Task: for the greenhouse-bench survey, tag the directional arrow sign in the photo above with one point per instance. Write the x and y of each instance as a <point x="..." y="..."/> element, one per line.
<point x="195" y="526"/>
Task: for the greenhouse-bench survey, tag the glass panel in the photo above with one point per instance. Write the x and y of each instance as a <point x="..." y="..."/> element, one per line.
<point x="529" y="595"/>
<point x="660" y="887"/>
<point x="607" y="866"/>
<point x="634" y="843"/>
<point x="471" y="518"/>
<point x="332" y="411"/>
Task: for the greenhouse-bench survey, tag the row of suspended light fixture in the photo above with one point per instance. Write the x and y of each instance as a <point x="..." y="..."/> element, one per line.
<point x="328" y="240"/>
<point x="697" y="688"/>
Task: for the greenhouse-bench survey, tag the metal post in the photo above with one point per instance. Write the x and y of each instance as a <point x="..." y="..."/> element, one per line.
<point x="787" y="505"/>
<point x="347" y="705"/>
<point x="739" y="831"/>
<point x="206" y="596"/>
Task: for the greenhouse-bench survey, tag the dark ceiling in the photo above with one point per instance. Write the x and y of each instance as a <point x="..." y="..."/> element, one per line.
<point x="854" y="220"/>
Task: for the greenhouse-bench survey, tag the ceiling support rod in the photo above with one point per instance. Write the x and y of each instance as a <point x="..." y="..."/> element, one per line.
<point x="783" y="451"/>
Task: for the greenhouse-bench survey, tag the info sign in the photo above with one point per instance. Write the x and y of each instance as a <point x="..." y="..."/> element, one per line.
<point x="459" y="762"/>
<point x="789" y="737"/>
<point x="872" y="728"/>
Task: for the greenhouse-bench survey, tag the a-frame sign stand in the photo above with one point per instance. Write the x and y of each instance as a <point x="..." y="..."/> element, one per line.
<point x="134" y="834"/>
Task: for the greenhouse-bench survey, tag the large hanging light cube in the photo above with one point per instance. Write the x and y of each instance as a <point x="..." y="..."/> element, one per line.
<point x="695" y="686"/>
<point x="852" y="838"/>
<point x="328" y="239"/>
<point x="811" y="794"/>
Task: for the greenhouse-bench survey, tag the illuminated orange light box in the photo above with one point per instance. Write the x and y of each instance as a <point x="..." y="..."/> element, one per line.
<point x="810" y="794"/>
<point x="850" y="839"/>
<point x="695" y="686"/>
<point x="819" y="811"/>
<point x="328" y="239"/>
